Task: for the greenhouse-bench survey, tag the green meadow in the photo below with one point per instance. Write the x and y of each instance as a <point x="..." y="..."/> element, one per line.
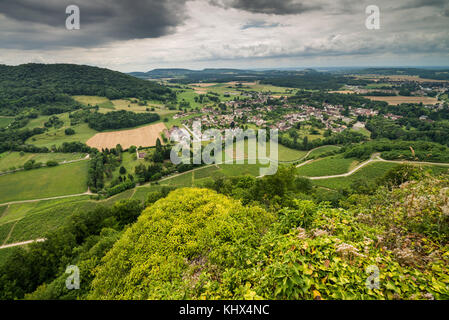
<point x="5" y="121"/>
<point x="44" y="182"/>
<point x="322" y="150"/>
<point x="57" y="136"/>
<point x="16" y="160"/>
<point x="368" y="173"/>
<point x="327" y="166"/>
<point x="34" y="222"/>
<point x="200" y="176"/>
<point x="29" y="221"/>
<point x="284" y="153"/>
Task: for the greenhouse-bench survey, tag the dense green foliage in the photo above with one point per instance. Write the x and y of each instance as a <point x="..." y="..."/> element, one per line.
<point x="191" y="245"/>
<point x="306" y="79"/>
<point x="14" y="140"/>
<point x="341" y="138"/>
<point x="428" y="131"/>
<point x="82" y="240"/>
<point x="48" y="87"/>
<point x="311" y="80"/>
<point x="119" y="119"/>
<point x="400" y="150"/>
<point x="188" y="228"/>
<point x="197" y="244"/>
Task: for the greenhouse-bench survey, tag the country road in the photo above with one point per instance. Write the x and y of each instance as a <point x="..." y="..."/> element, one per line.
<point x="21" y="243"/>
<point x="50" y="198"/>
<point x="347" y="174"/>
<point x="376" y="158"/>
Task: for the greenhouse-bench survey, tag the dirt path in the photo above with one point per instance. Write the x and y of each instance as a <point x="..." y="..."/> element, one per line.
<point x="304" y="163"/>
<point x="5" y="212"/>
<point x="10" y="232"/>
<point x="347" y="174"/>
<point x="305" y="157"/>
<point x="21" y="243"/>
<point x="376" y="158"/>
<point x="50" y="198"/>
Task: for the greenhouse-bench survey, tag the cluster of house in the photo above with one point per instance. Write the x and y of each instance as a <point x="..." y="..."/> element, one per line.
<point x="257" y="110"/>
<point x="328" y="115"/>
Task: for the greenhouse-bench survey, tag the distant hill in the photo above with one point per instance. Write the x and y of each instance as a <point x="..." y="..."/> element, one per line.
<point x="161" y="73"/>
<point x="48" y="88"/>
<point x="217" y="75"/>
<point x="186" y="73"/>
<point x="434" y="74"/>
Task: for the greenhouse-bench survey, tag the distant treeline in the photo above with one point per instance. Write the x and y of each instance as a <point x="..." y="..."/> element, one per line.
<point x="49" y="88"/>
<point x="119" y="119"/>
<point x="414" y="130"/>
<point x="305" y="79"/>
<point x="14" y="140"/>
<point x="313" y="81"/>
<point x="400" y="150"/>
<point x="343" y="137"/>
<point x="317" y="98"/>
<point x="436" y="74"/>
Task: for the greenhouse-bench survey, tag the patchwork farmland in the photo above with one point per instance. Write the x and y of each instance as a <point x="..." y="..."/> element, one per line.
<point x="140" y="137"/>
<point x="396" y="100"/>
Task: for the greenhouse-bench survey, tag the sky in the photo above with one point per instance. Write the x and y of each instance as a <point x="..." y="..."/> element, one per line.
<point x="141" y="35"/>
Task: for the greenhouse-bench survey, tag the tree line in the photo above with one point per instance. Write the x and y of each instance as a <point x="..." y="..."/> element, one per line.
<point x="48" y="88"/>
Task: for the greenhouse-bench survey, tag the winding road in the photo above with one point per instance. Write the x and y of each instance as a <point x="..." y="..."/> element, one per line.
<point x="374" y="158"/>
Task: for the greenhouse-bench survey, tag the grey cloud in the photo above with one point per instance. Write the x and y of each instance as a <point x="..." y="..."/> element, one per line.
<point x="413" y="4"/>
<point x="279" y="7"/>
<point x="259" y="24"/>
<point x="101" y="21"/>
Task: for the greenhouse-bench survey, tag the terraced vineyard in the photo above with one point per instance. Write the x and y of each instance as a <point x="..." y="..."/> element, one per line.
<point x="44" y="182"/>
<point x="327" y="166"/>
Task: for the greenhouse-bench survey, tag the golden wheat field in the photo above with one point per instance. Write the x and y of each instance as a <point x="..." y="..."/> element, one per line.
<point x="140" y="137"/>
<point x="395" y="100"/>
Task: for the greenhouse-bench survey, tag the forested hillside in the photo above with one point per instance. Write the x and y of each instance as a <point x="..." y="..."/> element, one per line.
<point x="247" y="238"/>
<point x="48" y="87"/>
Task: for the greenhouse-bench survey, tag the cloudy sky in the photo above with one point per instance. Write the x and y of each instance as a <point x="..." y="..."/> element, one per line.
<point x="140" y="35"/>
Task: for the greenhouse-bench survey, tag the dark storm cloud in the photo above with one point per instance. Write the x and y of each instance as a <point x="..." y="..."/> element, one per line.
<point x="101" y="21"/>
<point x="279" y="7"/>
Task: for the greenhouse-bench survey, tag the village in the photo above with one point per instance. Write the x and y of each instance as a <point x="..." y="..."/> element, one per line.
<point x="266" y="111"/>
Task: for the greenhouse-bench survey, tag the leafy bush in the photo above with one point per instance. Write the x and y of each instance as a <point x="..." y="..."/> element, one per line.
<point x="120" y="188"/>
<point x="119" y="119"/>
<point x="52" y="163"/>
<point x="189" y="231"/>
<point x="69" y="132"/>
